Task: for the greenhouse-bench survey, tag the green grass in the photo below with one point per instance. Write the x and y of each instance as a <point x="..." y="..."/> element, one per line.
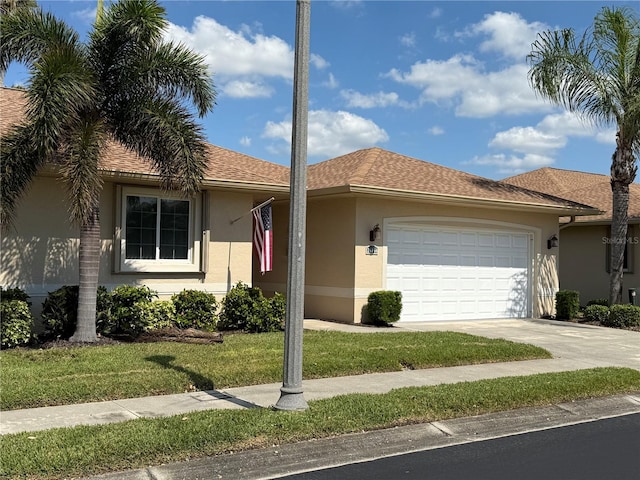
<point x="35" y="378"/>
<point x="89" y="450"/>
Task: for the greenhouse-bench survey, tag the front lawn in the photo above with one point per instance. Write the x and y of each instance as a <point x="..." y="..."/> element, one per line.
<point x="86" y="450"/>
<point x="58" y="376"/>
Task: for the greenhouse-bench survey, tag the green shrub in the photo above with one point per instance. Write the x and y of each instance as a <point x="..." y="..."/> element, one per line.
<point x="245" y="308"/>
<point x="567" y="304"/>
<point x="598" y="301"/>
<point x="597" y="312"/>
<point x="158" y="314"/>
<point x="623" y="316"/>
<point x="16" y="324"/>
<point x="384" y="307"/>
<point x="8" y="294"/>
<point x="128" y="315"/>
<point x="195" y="309"/>
<point x="60" y="312"/>
<point x="269" y="315"/>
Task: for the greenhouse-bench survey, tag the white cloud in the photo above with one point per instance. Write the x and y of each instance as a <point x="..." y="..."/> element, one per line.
<point x="88" y="15"/>
<point x="435" y="13"/>
<point x="237" y="56"/>
<point x="528" y="140"/>
<point x="461" y="81"/>
<point x="331" y="82"/>
<point x="359" y="100"/>
<point x="318" y="62"/>
<point x="512" y="164"/>
<point x="508" y="34"/>
<point x="436" y="130"/>
<point x="246" y="89"/>
<point x="245" y="141"/>
<point x="330" y="133"/>
<point x="408" y="39"/>
<point x="608" y="137"/>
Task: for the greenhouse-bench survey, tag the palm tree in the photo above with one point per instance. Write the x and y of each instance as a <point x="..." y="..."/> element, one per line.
<point x="9" y="6"/>
<point x="123" y="84"/>
<point x="597" y="75"/>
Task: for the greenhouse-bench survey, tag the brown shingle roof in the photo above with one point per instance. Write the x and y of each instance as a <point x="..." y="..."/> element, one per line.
<point x="223" y="166"/>
<point x="380" y="169"/>
<point x="590" y="188"/>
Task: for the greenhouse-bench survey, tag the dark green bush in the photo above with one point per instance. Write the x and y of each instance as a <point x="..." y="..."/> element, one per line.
<point x="195" y="309"/>
<point x="269" y="316"/>
<point x="567" y="304"/>
<point x="127" y="310"/>
<point x="16" y="324"/>
<point x="8" y="294"/>
<point x="623" y="316"/>
<point x="245" y="308"/>
<point x="597" y="312"/>
<point x="60" y="312"/>
<point x="384" y="307"/>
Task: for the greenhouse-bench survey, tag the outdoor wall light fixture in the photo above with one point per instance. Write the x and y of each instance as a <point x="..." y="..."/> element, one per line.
<point x="552" y="242"/>
<point x="375" y="233"/>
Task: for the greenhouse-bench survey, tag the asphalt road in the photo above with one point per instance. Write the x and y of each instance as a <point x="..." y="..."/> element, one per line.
<point x="606" y="449"/>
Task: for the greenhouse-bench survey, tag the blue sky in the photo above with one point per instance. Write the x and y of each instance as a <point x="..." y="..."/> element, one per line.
<point x="444" y="82"/>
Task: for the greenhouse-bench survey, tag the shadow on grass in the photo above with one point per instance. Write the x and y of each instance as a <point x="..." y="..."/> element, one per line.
<point x="200" y="382"/>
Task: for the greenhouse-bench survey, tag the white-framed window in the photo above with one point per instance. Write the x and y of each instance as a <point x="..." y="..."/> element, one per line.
<point x="158" y="231"/>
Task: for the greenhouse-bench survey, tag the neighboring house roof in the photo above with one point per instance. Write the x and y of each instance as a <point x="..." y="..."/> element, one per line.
<point x="225" y="167"/>
<point x="375" y="170"/>
<point x="590" y="188"/>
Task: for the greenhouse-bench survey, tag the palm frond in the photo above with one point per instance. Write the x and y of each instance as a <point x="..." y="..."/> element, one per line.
<point x="174" y="72"/>
<point x="165" y="133"/>
<point x="83" y="145"/>
<point x="19" y="163"/>
<point x="27" y="33"/>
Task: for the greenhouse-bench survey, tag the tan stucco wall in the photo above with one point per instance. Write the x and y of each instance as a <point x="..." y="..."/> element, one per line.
<point x="340" y="273"/>
<point x="41" y="253"/>
<point x="329" y="263"/>
<point x="583" y="264"/>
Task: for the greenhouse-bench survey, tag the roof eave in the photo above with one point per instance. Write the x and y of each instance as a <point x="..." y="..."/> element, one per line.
<point x="207" y="182"/>
<point x="459" y="200"/>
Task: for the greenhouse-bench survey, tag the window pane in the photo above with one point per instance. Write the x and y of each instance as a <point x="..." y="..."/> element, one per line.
<point x="174" y="234"/>
<point x="141" y="219"/>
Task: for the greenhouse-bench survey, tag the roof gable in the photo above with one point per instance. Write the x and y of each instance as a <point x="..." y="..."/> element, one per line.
<point x="381" y="169"/>
<point x="582" y="187"/>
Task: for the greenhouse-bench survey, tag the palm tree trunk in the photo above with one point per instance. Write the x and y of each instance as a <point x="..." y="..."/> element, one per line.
<point x="89" y="268"/>
<point x="618" y="239"/>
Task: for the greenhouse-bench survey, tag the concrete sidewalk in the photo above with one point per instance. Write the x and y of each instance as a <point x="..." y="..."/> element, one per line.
<point x="574" y="347"/>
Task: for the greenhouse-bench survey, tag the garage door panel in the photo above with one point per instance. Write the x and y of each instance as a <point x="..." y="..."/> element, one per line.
<point x="458" y="274"/>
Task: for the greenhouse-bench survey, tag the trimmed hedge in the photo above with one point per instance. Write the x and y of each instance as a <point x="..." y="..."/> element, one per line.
<point x="597" y="312"/>
<point x="567" y="304"/>
<point x="623" y="316"/>
<point x="384" y="307"/>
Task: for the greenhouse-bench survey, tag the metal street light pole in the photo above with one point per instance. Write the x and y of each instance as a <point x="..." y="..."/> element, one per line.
<point x="291" y="393"/>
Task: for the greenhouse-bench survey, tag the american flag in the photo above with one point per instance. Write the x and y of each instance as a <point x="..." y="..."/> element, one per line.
<point x="263" y="237"/>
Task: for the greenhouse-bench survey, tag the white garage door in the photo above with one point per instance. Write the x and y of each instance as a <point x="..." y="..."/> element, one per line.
<point x="458" y="274"/>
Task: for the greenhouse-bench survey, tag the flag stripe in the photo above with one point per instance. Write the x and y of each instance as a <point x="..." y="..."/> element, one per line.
<point x="263" y="237"/>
